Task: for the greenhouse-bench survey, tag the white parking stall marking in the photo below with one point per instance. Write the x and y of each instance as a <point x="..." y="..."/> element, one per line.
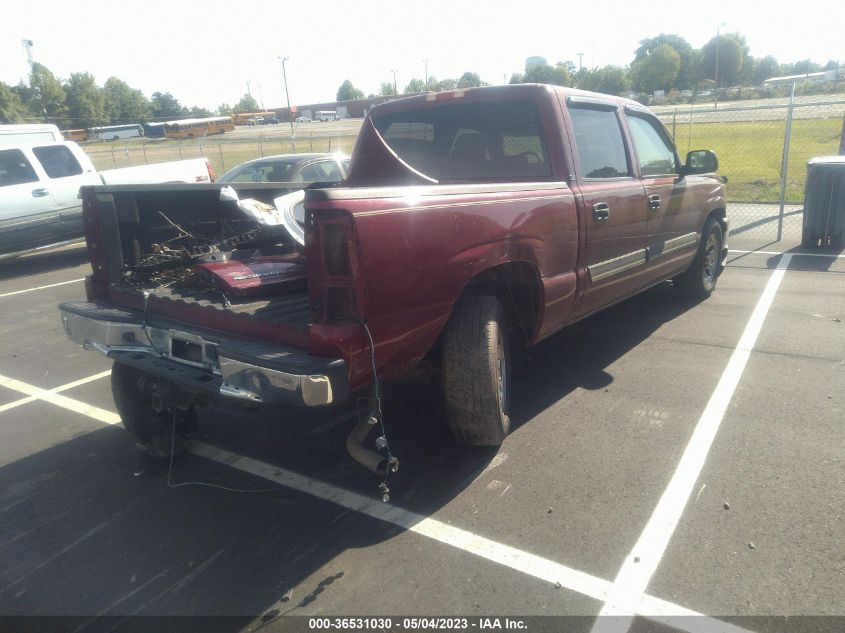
<point x="827" y="255"/>
<point x="53" y="397"/>
<point x="61" y="283"/>
<point x="519" y="560"/>
<point x="516" y="559"/>
<point x="640" y="565"/>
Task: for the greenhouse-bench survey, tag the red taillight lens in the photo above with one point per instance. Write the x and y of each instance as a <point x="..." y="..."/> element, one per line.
<point x="335" y="250"/>
<point x="96" y="285"/>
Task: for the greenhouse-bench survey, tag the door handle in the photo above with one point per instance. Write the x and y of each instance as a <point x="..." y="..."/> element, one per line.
<point x="40" y="193"/>
<point x="654" y="202"/>
<point x="601" y="212"/>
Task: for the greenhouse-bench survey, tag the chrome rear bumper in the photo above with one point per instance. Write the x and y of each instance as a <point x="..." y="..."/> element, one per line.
<point x="247" y="370"/>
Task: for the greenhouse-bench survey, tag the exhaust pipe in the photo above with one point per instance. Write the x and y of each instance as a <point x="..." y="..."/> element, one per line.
<point x="369" y="459"/>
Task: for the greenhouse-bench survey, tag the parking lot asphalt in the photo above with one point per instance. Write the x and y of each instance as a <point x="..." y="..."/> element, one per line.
<point x="604" y="416"/>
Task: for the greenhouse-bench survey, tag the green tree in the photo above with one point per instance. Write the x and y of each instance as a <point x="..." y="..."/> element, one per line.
<point x="348" y="92"/>
<point x="469" y="80"/>
<point x="85" y="101"/>
<point x="246" y="104"/>
<point x="387" y="89"/>
<point x="124" y="104"/>
<point x="611" y="80"/>
<point x="732" y="53"/>
<point x="805" y="66"/>
<point x="414" y="86"/>
<point x="224" y="109"/>
<point x="447" y="84"/>
<point x="517" y="78"/>
<point x="46" y="95"/>
<point x="658" y="70"/>
<point x="12" y="108"/>
<point x="164" y="105"/>
<point x="686" y="72"/>
<point x="766" y="68"/>
<point x="433" y="85"/>
<point x="556" y="75"/>
<point x="199" y="112"/>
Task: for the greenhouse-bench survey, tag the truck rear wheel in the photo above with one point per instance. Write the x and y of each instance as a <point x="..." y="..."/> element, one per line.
<point x="699" y="280"/>
<point x="476" y="372"/>
<point x="155" y="435"/>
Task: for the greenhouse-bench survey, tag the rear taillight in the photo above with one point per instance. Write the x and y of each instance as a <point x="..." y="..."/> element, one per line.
<point x="212" y="177"/>
<point x="97" y="284"/>
<point x="335" y="250"/>
<point x="334" y="278"/>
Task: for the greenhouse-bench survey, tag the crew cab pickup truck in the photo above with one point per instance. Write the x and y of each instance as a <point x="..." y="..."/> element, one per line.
<point x="39" y="190"/>
<point x="471" y="221"/>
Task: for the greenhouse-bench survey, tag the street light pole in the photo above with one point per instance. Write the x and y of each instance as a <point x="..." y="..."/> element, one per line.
<point x="425" y="61"/>
<point x="287" y="95"/>
<point x="248" y="90"/>
<point x="395" y="90"/>
<point x="716" y="87"/>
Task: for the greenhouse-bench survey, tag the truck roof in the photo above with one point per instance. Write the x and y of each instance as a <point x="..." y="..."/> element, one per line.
<point x="494" y="93"/>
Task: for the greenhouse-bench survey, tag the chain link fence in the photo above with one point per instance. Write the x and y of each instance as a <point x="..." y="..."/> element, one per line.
<point x="223" y="153"/>
<point x="763" y="151"/>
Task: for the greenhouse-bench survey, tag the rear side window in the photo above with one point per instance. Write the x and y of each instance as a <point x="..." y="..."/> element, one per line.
<point x="15" y="168"/>
<point x="470" y="142"/>
<point x="598" y="138"/>
<point x="58" y="161"/>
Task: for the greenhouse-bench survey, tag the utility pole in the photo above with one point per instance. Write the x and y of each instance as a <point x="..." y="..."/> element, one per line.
<point x="261" y="97"/>
<point x="580" y="60"/>
<point x="248" y="90"/>
<point x="395" y="90"/>
<point x="27" y="44"/>
<point x="716" y="87"/>
<point x="426" y="73"/>
<point x="287" y="95"/>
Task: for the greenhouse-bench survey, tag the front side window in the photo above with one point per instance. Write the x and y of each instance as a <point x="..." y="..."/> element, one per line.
<point x="15" y="168"/>
<point x="58" y="161"/>
<point x="470" y="142"/>
<point x="598" y="138"/>
<point x="655" y="154"/>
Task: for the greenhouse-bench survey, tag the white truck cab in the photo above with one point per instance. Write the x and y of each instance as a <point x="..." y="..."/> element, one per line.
<point x="39" y="189"/>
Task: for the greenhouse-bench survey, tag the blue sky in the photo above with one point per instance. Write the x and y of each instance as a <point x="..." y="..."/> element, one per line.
<point x="205" y="52"/>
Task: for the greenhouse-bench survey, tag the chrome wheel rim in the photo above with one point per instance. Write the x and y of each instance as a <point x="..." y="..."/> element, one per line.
<point x="710" y="260"/>
<point x="501" y="375"/>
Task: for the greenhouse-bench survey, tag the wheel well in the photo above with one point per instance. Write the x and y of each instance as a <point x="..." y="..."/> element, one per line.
<point x="719" y="214"/>
<point x="517" y="286"/>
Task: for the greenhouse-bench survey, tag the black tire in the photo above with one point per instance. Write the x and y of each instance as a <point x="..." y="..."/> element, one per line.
<point x="153" y="431"/>
<point x="476" y="372"/>
<point x="699" y="280"/>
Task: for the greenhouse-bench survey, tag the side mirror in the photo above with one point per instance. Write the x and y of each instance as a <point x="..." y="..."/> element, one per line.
<point x="701" y="161"/>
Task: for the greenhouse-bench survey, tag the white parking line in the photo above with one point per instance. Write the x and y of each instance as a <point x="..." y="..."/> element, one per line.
<point x="53" y="397"/>
<point x="70" y="385"/>
<point x="61" y="283"/>
<point x="642" y="562"/>
<point x="781" y="253"/>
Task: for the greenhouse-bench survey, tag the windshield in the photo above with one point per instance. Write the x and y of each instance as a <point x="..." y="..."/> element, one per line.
<point x="263" y="171"/>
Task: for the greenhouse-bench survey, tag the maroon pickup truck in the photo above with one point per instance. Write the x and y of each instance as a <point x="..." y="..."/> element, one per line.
<point x="470" y="221"/>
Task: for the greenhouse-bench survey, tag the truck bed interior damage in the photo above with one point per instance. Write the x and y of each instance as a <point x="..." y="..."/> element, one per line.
<point x="223" y="250"/>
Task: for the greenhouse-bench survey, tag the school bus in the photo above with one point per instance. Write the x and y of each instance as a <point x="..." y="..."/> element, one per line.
<point x="75" y="135"/>
<point x="196" y="128"/>
<point x="245" y="118"/>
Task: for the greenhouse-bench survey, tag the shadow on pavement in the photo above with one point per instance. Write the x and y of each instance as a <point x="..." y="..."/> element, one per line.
<point x="38" y="263"/>
<point x="88" y="529"/>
